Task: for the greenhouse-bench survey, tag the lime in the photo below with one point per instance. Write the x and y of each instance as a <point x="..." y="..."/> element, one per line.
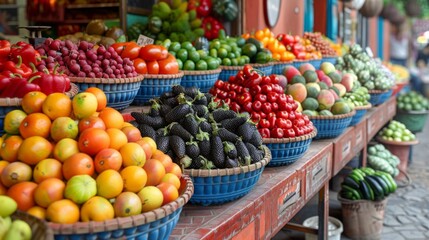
<point x="182" y="54"/>
<point x="180" y="63"/>
<point x="201" y="65"/>
<point x="188" y="65"/>
<point x="174" y="47"/>
<point x="215" y="44"/>
<point x="213" y="53"/>
<point x="234" y="61"/>
<point x="231" y="55"/>
<point x="226" y="62"/>
<point x="203" y="54"/>
<point x="187" y="45"/>
<point x="193" y="56"/>
<point x="222" y="52"/>
<point x="212" y="63"/>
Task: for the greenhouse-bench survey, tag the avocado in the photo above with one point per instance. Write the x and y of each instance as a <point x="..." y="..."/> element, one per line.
<point x="96" y="27"/>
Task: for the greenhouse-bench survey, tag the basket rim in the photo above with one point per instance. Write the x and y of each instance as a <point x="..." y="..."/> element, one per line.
<point x="412" y="111"/>
<point x="349" y="201"/>
<point x="374" y="91"/>
<point x="202" y="72"/>
<point x="138" y="78"/>
<point x="16" y="102"/>
<point x="339" y="116"/>
<point x="301" y="60"/>
<point x="364" y="107"/>
<point x="307" y="136"/>
<point x="48" y="233"/>
<point x="231" y="171"/>
<point x="131" y="221"/>
<point x="164" y="76"/>
<point x="329" y="56"/>
<point x="278" y="62"/>
<point x="381" y="140"/>
<point x="223" y="67"/>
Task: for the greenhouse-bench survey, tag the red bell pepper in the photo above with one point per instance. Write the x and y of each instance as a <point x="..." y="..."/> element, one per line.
<point x="211" y="27"/>
<point x="51" y="82"/>
<point x="203" y="7"/>
<point x="4" y="49"/>
<point x="27" y="53"/>
<point x="5" y="81"/>
<point x="17" y="68"/>
<point x="19" y="86"/>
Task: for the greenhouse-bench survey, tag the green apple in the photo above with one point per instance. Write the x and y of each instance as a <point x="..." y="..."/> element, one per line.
<point x="5" y="223"/>
<point x="8" y="206"/>
<point x="19" y="230"/>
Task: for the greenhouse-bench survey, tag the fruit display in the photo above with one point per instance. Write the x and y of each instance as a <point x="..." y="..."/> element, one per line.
<point x="320" y="43"/>
<point x="402" y="74"/>
<point x="189" y="58"/>
<point x="84" y="59"/>
<point x="199" y="133"/>
<point x="367" y="184"/>
<point x="321" y="91"/>
<point x="12" y="229"/>
<point x="18" y="73"/>
<point x="412" y="101"/>
<point x="370" y="72"/>
<point x="358" y="96"/>
<point x="380" y="158"/>
<point x="302" y="48"/>
<point x="69" y="160"/>
<point x="396" y="131"/>
<point x="274" y="112"/>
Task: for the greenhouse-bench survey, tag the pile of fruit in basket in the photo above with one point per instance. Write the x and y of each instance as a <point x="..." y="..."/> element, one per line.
<point x="320" y="92"/>
<point x="198" y="132"/>
<point x="320" y="43"/>
<point x="380" y="158"/>
<point x="12" y="229"/>
<point x="85" y="59"/>
<point x="396" y="131"/>
<point x="68" y="160"/>
<point x="301" y="48"/>
<point x="412" y="101"/>
<point x="274" y="112"/>
<point x="18" y="73"/>
<point x="367" y="184"/>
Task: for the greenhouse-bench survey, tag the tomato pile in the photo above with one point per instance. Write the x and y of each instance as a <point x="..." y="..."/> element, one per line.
<point x="67" y="160"/>
<point x="264" y="99"/>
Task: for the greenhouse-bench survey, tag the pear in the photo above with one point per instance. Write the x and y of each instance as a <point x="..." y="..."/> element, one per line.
<point x="5" y="223"/>
<point x="8" y="204"/>
<point x="19" y="230"/>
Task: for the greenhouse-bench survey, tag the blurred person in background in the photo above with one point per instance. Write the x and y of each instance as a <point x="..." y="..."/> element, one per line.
<point x="399" y="45"/>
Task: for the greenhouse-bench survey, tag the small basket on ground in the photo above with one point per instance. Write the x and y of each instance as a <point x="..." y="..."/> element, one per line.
<point x="153" y="225"/>
<point x="415" y="121"/>
<point x="331" y="59"/>
<point x="204" y="80"/>
<point x="360" y="112"/>
<point x="39" y="228"/>
<point x="297" y="63"/>
<point x="156" y="84"/>
<point x="379" y="96"/>
<point x="316" y="63"/>
<point x="228" y="71"/>
<point x="120" y="92"/>
<point x="279" y="66"/>
<point x="218" y="186"/>
<point x="285" y="151"/>
<point x="331" y="126"/>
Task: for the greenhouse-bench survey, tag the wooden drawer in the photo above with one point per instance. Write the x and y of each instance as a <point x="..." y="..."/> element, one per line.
<point x="391" y="108"/>
<point x="372" y="124"/>
<point x="343" y="150"/>
<point x="317" y="172"/>
<point x="359" y="140"/>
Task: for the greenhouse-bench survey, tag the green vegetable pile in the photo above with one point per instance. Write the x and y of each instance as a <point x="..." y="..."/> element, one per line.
<point x="367" y="184"/>
<point x="412" y="101"/>
<point x="396" y="131"/>
<point x="359" y="96"/>
<point x="380" y="158"/>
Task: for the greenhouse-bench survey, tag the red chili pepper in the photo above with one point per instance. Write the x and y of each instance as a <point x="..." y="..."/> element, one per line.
<point x="26" y="52"/>
<point x="202" y="7"/>
<point x="257" y="105"/>
<point x="290" y="133"/>
<point x="264" y="123"/>
<point x="255" y="90"/>
<point x="211" y="27"/>
<point x="272" y="121"/>
<point x="267" y="88"/>
<point x="19" y="68"/>
<point x="275" y="106"/>
<point x="234" y="107"/>
<point x="19" y="86"/>
<point x="282" y="114"/>
<point x="232" y="95"/>
<point x="219" y="84"/>
<point x="244" y="98"/>
<point x="265" y="132"/>
<point x="298" y="130"/>
<point x="260" y="97"/>
<point x="265" y="80"/>
<point x="266" y="107"/>
<point x="277" y="132"/>
<point x="255" y="116"/>
<point x="247" y="106"/>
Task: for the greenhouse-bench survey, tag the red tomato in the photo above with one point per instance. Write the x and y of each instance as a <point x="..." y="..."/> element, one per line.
<point x="119" y="47"/>
<point x="131" y="51"/>
<point x="140" y="65"/>
<point x="168" y="65"/>
<point x="152" y="67"/>
<point x="152" y="52"/>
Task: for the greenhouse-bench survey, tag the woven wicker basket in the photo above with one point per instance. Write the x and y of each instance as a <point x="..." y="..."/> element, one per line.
<point x="316" y="63"/>
<point x="156" y="84"/>
<point x="228" y="71"/>
<point x="39" y="228"/>
<point x="331" y="59"/>
<point x="278" y="67"/>
<point x="153" y="225"/>
<point x="331" y="126"/>
<point x="297" y="63"/>
<point x="285" y="151"/>
<point x="204" y="80"/>
<point x="218" y="186"/>
<point x="379" y="96"/>
<point x="120" y="92"/>
<point x="360" y="112"/>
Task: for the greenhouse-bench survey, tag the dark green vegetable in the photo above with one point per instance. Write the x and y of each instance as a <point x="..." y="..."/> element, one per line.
<point x="225" y="9"/>
<point x="147" y="131"/>
<point x="190" y="124"/>
<point x="231" y="162"/>
<point x="178" y="112"/>
<point x="233" y="123"/>
<point x="351" y="182"/>
<point x="225" y="135"/>
<point x="177" y="129"/>
<point x="221" y="114"/>
<point x="243" y="154"/>
<point x="203" y="142"/>
<point x="230" y="150"/>
<point x="254" y="153"/>
<point x="217" y="155"/>
<point x="143" y="118"/>
<point x="177" y="144"/>
<point x="246" y="131"/>
<point x="376" y="187"/>
<point x="162" y="143"/>
<point x="192" y="149"/>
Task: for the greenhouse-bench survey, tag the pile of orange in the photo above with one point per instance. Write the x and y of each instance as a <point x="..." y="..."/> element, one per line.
<point x="68" y="160"/>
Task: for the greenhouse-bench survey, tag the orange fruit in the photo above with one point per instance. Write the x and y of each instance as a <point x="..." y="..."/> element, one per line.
<point x="63" y="127"/>
<point x="91" y="122"/>
<point x="78" y="164"/>
<point x="14" y="173"/>
<point x="38" y="212"/>
<point x="9" y="148"/>
<point x="34" y="149"/>
<point x="127" y="204"/>
<point x="151" y="198"/>
<point x="57" y="105"/>
<point x="134" y="178"/>
<point x="93" y="140"/>
<point x="63" y="211"/>
<point x="100" y="95"/>
<point x="97" y="209"/>
<point x="64" y="148"/>
<point x="155" y="171"/>
<point x="47" y="168"/>
<point x="33" y="101"/>
<point x="23" y="194"/>
<point x="146" y="144"/>
<point x="133" y="134"/>
<point x="117" y="138"/>
<point x="84" y="104"/>
<point x="165" y="159"/>
<point x="111" y="117"/>
<point x="49" y="191"/>
<point x="13" y="120"/>
<point x="171" y="178"/>
<point x="108" y="158"/>
<point x="132" y="155"/>
<point x="169" y="192"/>
<point x="35" y="124"/>
<point x="175" y="169"/>
<point x="109" y="184"/>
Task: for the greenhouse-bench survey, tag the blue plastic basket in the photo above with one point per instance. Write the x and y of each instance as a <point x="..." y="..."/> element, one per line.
<point x="298" y="63"/>
<point x="379" y="97"/>
<point x="204" y="80"/>
<point x="228" y="71"/>
<point x="153" y="225"/>
<point x="278" y="67"/>
<point x="316" y="63"/>
<point x="331" y="126"/>
<point x="332" y="60"/>
<point x="156" y="84"/>
<point x="360" y="112"/>
<point x="120" y="92"/>
<point x="288" y="150"/>
<point x="218" y="186"/>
